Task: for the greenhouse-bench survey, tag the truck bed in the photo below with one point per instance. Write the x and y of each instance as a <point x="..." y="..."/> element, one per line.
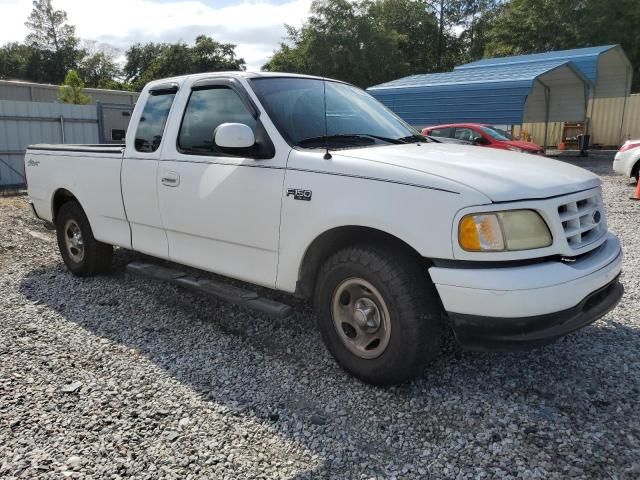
<point x="91" y="173"/>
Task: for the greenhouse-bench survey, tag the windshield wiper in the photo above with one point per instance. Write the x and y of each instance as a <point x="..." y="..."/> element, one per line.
<point x="353" y="136"/>
<point x="415" y="138"/>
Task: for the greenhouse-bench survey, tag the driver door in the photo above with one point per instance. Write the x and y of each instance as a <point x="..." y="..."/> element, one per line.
<point x="220" y="207"/>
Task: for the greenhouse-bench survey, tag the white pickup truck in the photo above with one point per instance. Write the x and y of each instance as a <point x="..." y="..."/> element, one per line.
<point x="310" y="186"/>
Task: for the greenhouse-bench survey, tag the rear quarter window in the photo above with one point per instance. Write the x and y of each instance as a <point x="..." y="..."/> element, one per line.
<point x="152" y="121"/>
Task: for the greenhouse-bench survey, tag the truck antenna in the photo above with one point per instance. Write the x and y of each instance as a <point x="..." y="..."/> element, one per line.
<point x="327" y="155"/>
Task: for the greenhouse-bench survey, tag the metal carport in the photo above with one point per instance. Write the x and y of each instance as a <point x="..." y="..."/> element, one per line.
<point x="607" y="67"/>
<point x="503" y="95"/>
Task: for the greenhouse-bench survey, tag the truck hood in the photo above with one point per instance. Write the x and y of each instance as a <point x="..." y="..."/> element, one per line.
<point x="501" y="175"/>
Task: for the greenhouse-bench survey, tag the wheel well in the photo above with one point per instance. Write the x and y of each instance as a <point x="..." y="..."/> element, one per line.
<point x="61" y="197"/>
<point x="338" y="238"/>
<point x="636" y="168"/>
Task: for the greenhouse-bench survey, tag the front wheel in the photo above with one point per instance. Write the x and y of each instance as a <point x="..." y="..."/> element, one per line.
<point x="378" y="314"/>
<point x="82" y="253"/>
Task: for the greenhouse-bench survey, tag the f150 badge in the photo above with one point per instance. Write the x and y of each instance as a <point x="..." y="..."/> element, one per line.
<point x="299" y="194"/>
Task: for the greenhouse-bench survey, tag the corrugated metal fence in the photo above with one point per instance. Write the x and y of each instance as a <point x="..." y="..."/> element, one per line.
<point x="39" y="92"/>
<point x="26" y="123"/>
<point x="606" y="114"/>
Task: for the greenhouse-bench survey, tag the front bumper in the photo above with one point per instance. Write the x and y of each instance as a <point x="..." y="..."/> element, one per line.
<point x="618" y="164"/>
<point x="518" y="307"/>
<point x="623" y="163"/>
<point x="505" y="334"/>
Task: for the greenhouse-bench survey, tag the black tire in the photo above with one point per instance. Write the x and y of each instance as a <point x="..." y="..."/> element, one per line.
<point x="415" y="312"/>
<point x="96" y="256"/>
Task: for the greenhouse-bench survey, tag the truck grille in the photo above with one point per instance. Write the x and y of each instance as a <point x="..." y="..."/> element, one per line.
<point x="583" y="220"/>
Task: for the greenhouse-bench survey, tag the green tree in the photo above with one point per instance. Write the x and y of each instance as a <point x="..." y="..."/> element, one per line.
<point x="55" y="41"/>
<point x="15" y="59"/>
<point x="364" y="42"/>
<point x="71" y="90"/>
<point x="449" y="14"/>
<point x="477" y="20"/>
<point x="526" y="26"/>
<point x="417" y="29"/>
<point x="150" y="61"/>
<point x="607" y="22"/>
<point x="531" y="26"/>
<point x="140" y="63"/>
<point x="99" y="67"/>
<point x="208" y="55"/>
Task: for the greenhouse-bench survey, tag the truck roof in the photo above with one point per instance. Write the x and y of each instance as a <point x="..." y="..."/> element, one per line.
<point x="233" y="73"/>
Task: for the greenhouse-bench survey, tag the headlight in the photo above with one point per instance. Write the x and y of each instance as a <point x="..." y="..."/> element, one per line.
<point x="500" y="231"/>
<point x="515" y="149"/>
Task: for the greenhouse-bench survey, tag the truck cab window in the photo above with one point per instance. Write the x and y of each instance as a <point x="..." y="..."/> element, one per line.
<point x="206" y="110"/>
<point x="152" y="121"/>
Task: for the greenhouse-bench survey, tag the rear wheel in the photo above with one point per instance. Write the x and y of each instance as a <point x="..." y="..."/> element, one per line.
<point x="82" y="253"/>
<point x="378" y="314"/>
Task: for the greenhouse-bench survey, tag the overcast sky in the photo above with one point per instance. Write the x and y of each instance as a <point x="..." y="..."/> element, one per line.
<point x="255" y="26"/>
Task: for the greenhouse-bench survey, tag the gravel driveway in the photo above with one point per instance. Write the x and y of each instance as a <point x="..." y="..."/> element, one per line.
<point x="117" y="377"/>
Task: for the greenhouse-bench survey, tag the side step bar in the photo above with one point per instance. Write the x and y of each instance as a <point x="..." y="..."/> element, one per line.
<point x="239" y="296"/>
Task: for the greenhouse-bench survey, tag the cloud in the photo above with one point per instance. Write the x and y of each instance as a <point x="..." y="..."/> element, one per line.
<point x="255" y="26"/>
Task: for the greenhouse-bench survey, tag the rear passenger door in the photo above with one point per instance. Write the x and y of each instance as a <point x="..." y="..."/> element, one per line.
<point x="139" y="175"/>
<point x="221" y="208"/>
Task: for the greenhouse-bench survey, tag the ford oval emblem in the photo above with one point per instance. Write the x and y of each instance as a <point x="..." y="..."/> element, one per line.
<point x="597" y="216"/>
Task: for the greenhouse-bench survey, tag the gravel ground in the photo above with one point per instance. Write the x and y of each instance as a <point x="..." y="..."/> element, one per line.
<point x="118" y="377"/>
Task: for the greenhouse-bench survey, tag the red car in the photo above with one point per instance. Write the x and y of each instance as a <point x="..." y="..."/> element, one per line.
<point x="484" y="135"/>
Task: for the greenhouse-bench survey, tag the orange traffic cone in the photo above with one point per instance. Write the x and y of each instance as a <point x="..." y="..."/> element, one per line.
<point x="636" y="195"/>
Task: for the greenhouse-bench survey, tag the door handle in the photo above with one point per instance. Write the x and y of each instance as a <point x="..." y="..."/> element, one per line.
<point x="170" y="179"/>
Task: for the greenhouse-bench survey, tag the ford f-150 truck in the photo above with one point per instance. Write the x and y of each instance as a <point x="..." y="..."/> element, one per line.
<point x="310" y="186"/>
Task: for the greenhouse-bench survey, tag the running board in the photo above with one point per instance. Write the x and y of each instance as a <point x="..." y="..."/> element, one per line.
<point x="239" y="296"/>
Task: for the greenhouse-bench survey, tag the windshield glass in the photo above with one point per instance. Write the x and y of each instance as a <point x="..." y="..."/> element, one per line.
<point x="497" y="133"/>
<point x="354" y="118"/>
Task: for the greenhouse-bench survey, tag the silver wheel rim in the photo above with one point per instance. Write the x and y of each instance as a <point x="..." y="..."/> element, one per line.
<point x="73" y="240"/>
<point x="361" y="318"/>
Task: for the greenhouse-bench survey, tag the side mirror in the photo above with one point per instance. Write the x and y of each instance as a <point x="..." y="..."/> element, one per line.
<point x="480" y="141"/>
<point x="234" y="135"/>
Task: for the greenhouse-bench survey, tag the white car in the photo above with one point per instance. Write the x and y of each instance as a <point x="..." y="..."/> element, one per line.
<point x="312" y="187"/>
<point x="627" y="159"/>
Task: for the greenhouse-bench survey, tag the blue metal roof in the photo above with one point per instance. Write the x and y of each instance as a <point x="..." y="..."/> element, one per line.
<point x="586" y="59"/>
<point x="489" y="95"/>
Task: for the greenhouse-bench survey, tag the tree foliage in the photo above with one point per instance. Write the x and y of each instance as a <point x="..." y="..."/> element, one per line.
<point x="358" y="41"/>
<point x="150" y="61"/>
<point x="15" y="59"/>
<point x="531" y="26"/>
<point x="51" y="49"/>
<point x="71" y="90"/>
<point x="99" y="67"/>
<point x="361" y="41"/>
<point x="53" y="41"/>
<point x="372" y="41"/>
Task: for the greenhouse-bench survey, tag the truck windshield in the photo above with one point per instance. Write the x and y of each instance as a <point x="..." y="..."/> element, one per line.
<point x="353" y="117"/>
